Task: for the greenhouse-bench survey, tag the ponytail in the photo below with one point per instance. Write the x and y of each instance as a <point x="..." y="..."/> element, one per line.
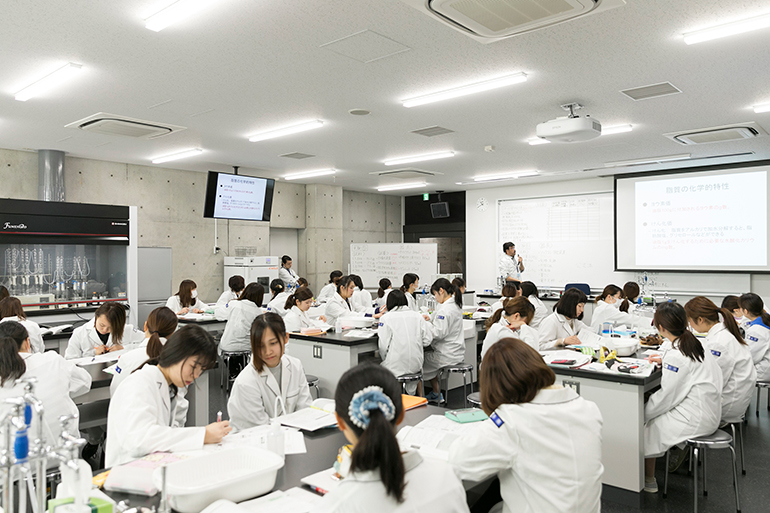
<point x="12" y="366"/>
<point x="690" y="346"/>
<point x="732" y="325"/>
<point x="443" y="283"/>
<point x="703" y="307"/>
<point x="609" y="290"/>
<point x="672" y="318"/>
<point x="301" y="294"/>
<point x="384" y="285"/>
<point x="408" y="279"/>
<point x="161" y="323"/>
<point x="630" y="292"/>
<point x="494" y="319"/>
<point x="755" y="307"/>
<point x="511" y="306"/>
<point x="378" y="444"/>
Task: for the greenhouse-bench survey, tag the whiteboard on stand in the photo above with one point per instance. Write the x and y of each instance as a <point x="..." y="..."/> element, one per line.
<point x="375" y="261"/>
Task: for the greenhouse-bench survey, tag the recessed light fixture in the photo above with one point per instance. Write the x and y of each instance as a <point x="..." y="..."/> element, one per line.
<point x="386" y="188"/>
<point x="535" y="141"/>
<point x="280" y="132"/>
<point x="759" y="109"/>
<point x="504" y="176"/>
<point x="48" y="82"/>
<point x="648" y="160"/>
<point x="176" y="156"/>
<point x="619" y="129"/>
<point x="310" y="174"/>
<point x="174" y="13"/>
<point x="728" y="29"/>
<point x="465" y="90"/>
<point x="419" y="158"/>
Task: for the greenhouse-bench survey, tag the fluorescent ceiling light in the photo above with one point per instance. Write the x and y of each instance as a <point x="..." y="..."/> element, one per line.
<point x="619" y="129"/>
<point x="272" y="134"/>
<point x="176" y="156"/>
<point x="504" y="176"/>
<point x="174" y="13"/>
<point x="759" y="109"/>
<point x="419" y="158"/>
<point x="478" y="87"/>
<point x="648" y="160"/>
<point x="48" y="82"/>
<point x="538" y="140"/>
<point x="728" y="29"/>
<point x="310" y="174"/>
<point x="386" y="188"/>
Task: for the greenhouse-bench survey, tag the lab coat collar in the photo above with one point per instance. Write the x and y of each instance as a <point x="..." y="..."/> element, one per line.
<point x="94" y="337"/>
<point x="272" y="384"/>
<point x="555" y="396"/>
<point x="340" y="299"/>
<point x="411" y="460"/>
<point x="758" y="322"/>
<point x="715" y="329"/>
<point x="161" y="383"/>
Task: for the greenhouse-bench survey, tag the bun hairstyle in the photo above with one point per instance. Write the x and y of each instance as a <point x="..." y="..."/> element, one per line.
<point x="254" y="292"/>
<point x="395" y="299"/>
<point x="302" y="282"/>
<point x="515" y="305"/>
<point x="703" y="307"/>
<point x="673" y="318"/>
<point x="529" y="289"/>
<point x="344" y="282"/>
<point x="116" y="316"/>
<point x="609" y="290"/>
<point x="567" y="304"/>
<point x="185" y="293"/>
<point x="443" y="283"/>
<point x="630" y="293"/>
<point x="334" y="277"/>
<point x="301" y="294"/>
<point x="408" y="279"/>
<point x="368" y="400"/>
<point x="236" y="283"/>
<point x="755" y="307"/>
<point x="277" y="286"/>
<point x="11" y="307"/>
<point x="274" y="323"/>
<point x="12" y="337"/>
<point x="161" y="322"/>
<point x="384" y="285"/>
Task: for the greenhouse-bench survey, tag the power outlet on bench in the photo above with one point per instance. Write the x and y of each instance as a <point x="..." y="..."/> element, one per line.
<point x="317" y="352"/>
<point x="574" y="385"/>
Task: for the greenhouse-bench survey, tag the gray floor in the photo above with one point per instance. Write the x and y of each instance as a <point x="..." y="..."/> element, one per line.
<point x="754" y="489"/>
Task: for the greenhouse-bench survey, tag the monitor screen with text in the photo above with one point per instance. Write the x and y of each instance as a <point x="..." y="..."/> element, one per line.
<point x="238" y="197"/>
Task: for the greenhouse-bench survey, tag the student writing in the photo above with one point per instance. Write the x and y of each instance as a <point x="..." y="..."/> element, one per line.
<point x="105" y="333"/>
<point x="186" y="299"/>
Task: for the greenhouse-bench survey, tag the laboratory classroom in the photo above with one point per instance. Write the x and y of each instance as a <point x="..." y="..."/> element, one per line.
<point x="234" y="232"/>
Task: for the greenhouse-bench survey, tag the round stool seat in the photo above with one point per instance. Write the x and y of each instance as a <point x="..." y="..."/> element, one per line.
<point x="763" y="384"/>
<point x="717" y="440"/>
<point x="311" y="380"/>
<point x="407" y="378"/>
<point x="458" y="367"/>
<point x="475" y="399"/>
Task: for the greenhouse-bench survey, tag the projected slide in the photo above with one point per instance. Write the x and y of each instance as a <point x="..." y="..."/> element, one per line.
<point x="240" y="197"/>
<point x="715" y="220"/>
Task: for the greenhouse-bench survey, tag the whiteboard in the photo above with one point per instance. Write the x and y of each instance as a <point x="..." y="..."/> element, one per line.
<point x="570" y="239"/>
<point x="373" y="262"/>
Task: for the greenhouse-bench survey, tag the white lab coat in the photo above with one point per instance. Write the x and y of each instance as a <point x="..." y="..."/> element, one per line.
<point x="758" y="339"/>
<point x="448" y="339"/>
<point x="226" y="297"/>
<point x="176" y="306"/>
<point x="84" y="339"/>
<point x="240" y="316"/>
<point x="605" y="312"/>
<point x="129" y="362"/>
<point x="411" y="302"/>
<point x="509" y="266"/>
<point x="296" y="319"/>
<point x="337" y="307"/>
<point x="738" y="372"/>
<point x="252" y="400"/>
<point x="430" y="485"/>
<point x="687" y="404"/>
<point x="327" y="291"/>
<point x="143" y="419"/>
<point x="556" y="326"/>
<point x="36" y="343"/>
<point x="361" y="301"/>
<point x="381" y="301"/>
<point x="58" y="381"/>
<point x="288" y="277"/>
<point x="547" y="453"/>
<point x="276" y="305"/>
<point x="500" y="330"/>
<point x="402" y="334"/>
<point x="541" y="311"/>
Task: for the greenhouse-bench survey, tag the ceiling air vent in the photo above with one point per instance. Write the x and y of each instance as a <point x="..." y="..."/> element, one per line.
<point x="297" y="155"/>
<point x="491" y="20"/>
<point x="433" y="131"/>
<point x="113" y="124"/>
<point x="406" y="173"/>
<point x="727" y="133"/>
<point x="651" y="91"/>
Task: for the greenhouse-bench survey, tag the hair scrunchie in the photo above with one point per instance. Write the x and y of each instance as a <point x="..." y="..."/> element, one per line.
<point x="369" y="399"/>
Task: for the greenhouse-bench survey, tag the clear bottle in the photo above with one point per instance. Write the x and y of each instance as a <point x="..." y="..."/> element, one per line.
<point x="338" y="326"/>
<point x="275" y="438"/>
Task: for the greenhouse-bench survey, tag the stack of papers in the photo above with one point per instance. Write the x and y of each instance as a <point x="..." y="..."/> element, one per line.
<point x="294" y="440"/>
<point x="434" y="435"/>
<point x="362" y="333"/>
<point x="320" y="415"/>
<point x="198" y="317"/>
<point x="101" y="358"/>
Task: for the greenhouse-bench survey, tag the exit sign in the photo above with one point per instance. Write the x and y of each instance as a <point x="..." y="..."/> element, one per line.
<point x="425" y="197"/>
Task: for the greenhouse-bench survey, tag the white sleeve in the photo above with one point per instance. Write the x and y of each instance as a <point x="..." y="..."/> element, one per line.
<point x="35" y="337"/>
<point x="79" y="378"/>
<point x="426" y="331"/>
<point x="182" y="406"/>
<point x="493" y="335"/>
<point x="173" y="304"/>
<point x="74" y="349"/>
<point x="385" y="338"/>
<point x="441" y="325"/>
<point x="548" y="332"/>
<point x="671" y="390"/>
<point x="292" y="322"/>
<point x="246" y="406"/>
<point x="757" y="343"/>
<point x="483" y="454"/>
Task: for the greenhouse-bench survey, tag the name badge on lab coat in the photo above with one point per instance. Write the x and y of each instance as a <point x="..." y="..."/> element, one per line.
<point x="672" y="368"/>
<point x="753" y="339"/>
<point x="496" y="419"/>
<point x="716" y="353"/>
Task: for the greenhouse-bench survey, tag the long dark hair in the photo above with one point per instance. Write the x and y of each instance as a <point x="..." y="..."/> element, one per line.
<point x="529" y="289"/>
<point x="276" y="287"/>
<point x="609" y="290"/>
<point x="188" y="342"/>
<point x="673" y="318"/>
<point x="443" y="283"/>
<point x="185" y="293"/>
<point x="344" y="282"/>
<point x="395" y="299"/>
<point x="408" y="279"/>
<point x="754" y="305"/>
<point x="334" y="276"/>
<point x="701" y="306"/>
<point x="630" y="292"/>
<point x="116" y="316"/>
<point x="513" y="305"/>
<point x="274" y="323"/>
<point x="12" y="366"/>
<point x="377" y="447"/>
<point x="358" y="281"/>
<point x="10" y="307"/>
<point x="253" y="292"/>
<point x="161" y="322"/>
<point x="731" y="303"/>
<point x="568" y="302"/>
<point x="384" y="285"/>
<point x="301" y="294"/>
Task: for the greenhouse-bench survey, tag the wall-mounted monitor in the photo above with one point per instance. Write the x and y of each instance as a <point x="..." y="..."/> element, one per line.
<point x="247" y="198"/>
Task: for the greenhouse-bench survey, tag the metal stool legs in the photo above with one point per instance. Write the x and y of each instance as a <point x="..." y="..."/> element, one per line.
<point x="735" y="441"/>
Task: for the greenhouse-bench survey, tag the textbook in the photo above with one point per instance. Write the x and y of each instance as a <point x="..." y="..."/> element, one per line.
<point x="318" y="416"/>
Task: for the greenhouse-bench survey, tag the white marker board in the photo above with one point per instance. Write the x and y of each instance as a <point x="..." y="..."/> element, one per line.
<point x="375" y="261"/>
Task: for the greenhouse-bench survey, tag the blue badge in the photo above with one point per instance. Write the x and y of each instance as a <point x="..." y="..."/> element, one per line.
<point x="497" y="420"/>
<point x="268" y="308"/>
<point x="381" y="324"/>
<point x="118" y="369"/>
<point x="440" y="317"/>
<point x="753" y="339"/>
<point x="671" y="368"/>
<point x="716" y="353"/>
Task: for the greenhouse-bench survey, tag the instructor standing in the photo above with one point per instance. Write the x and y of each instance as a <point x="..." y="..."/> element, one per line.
<point x="511" y="264"/>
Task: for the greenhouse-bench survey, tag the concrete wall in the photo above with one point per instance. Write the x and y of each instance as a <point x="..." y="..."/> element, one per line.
<point x="320" y="243"/>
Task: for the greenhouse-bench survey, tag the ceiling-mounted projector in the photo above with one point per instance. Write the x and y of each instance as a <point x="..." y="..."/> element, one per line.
<point x="570" y="128"/>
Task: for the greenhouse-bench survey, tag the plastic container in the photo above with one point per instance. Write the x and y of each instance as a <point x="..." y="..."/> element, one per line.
<point x="235" y="474"/>
<point x="358" y="322"/>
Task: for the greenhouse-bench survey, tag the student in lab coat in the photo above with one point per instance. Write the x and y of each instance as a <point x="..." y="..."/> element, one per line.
<point x="512" y="320"/>
<point x="286" y="273"/>
<point x="145" y="415"/>
<point x="630" y="295"/>
<point x="280" y="295"/>
<point x="160" y="324"/>
<point x="460" y="284"/>
<point x="339" y="307"/>
<point x="529" y="291"/>
<point x="236" y="284"/>
<point x="186" y="299"/>
<point x="543" y="441"/>
<point x="448" y="339"/>
<point x="733" y="304"/>
<point x="361" y="300"/>
<point x="58" y="380"/>
<point x="297" y="306"/>
<point x="240" y="315"/>
<point x="105" y="333"/>
<point x="510" y="290"/>
<point x="386" y="287"/>
<point x="271" y="374"/>
<point x="11" y="310"/>
<point x="757" y="333"/>
<point x="402" y="334"/>
<point x="409" y="286"/>
<point x="608" y="309"/>
<point x="382" y="479"/>
<point x="724" y="341"/>
<point x="565" y="326"/>
<point x="330" y="288"/>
